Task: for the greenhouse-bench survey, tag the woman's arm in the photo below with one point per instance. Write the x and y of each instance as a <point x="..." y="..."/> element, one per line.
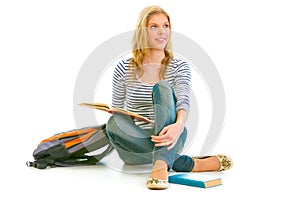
<point x="181" y="118"/>
<point x="170" y="134"/>
<point x="118" y="85"/>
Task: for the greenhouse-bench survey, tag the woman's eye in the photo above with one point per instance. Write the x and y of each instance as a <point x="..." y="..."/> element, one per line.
<point x="153" y="26"/>
<point x="166" y="26"/>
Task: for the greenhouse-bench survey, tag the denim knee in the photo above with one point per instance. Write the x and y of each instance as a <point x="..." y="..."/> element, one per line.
<point x="183" y="164"/>
<point x="162" y="85"/>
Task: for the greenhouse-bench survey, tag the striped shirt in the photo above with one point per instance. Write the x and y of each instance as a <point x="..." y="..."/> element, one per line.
<point x="136" y="96"/>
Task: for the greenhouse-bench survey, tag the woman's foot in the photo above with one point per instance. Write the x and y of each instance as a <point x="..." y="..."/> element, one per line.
<point x="159" y="176"/>
<point x="160" y="170"/>
<point x="212" y="163"/>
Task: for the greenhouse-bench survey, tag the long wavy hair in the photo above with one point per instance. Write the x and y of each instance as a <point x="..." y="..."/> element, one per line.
<point x="140" y="42"/>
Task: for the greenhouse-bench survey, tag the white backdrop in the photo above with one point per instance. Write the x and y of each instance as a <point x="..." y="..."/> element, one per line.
<point x="255" y="46"/>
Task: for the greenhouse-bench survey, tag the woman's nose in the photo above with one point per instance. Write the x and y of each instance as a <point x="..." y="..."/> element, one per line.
<point x="161" y="30"/>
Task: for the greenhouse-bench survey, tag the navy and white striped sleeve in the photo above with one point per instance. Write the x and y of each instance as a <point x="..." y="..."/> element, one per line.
<point x="182" y="85"/>
<point x="118" y="86"/>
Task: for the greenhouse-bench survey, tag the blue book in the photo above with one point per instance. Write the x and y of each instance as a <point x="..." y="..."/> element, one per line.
<point x="195" y="179"/>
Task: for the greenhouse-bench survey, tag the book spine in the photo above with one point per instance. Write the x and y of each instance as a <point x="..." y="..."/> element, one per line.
<point x="188" y="182"/>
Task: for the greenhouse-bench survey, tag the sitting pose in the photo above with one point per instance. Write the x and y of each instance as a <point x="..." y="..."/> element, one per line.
<point x="155" y="84"/>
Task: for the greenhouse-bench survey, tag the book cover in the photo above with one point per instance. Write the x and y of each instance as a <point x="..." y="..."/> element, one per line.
<point x="106" y="108"/>
<point x="195" y="179"/>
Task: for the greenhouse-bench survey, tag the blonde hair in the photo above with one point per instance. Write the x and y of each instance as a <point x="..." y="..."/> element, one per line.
<point x="140" y="42"/>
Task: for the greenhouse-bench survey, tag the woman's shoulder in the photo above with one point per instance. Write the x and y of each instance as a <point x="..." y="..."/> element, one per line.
<point x="122" y="64"/>
<point x="179" y="63"/>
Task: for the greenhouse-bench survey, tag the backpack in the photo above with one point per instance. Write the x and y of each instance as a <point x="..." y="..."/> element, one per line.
<point x="72" y="148"/>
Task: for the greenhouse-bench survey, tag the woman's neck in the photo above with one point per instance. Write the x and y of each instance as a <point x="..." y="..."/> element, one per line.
<point x="153" y="56"/>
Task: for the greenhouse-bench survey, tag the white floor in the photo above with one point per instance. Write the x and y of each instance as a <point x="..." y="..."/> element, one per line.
<point x="252" y="177"/>
<point x="106" y="180"/>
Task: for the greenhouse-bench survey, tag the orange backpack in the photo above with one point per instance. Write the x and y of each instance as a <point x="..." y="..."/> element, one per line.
<point x="86" y="146"/>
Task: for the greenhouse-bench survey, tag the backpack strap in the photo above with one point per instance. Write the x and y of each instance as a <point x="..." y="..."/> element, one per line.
<point x="83" y="160"/>
<point x="72" y="161"/>
<point x="41" y="163"/>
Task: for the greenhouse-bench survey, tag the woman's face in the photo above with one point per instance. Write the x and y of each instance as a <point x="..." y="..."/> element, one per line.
<point x="158" y="31"/>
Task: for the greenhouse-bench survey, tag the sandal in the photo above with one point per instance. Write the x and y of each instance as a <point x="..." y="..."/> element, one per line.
<point x="157" y="184"/>
<point x="225" y="161"/>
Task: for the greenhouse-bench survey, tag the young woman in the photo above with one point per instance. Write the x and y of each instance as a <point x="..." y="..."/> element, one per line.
<point x="156" y="85"/>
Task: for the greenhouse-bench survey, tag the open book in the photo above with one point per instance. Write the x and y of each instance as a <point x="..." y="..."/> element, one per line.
<point x="106" y="108"/>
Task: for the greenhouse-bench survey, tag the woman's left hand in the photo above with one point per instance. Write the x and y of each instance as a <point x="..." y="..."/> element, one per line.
<point x="168" y="136"/>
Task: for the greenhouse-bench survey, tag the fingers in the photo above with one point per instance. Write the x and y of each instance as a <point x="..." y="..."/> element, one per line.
<point x="163" y="131"/>
<point x="162" y="144"/>
<point x="161" y="136"/>
<point x="167" y="143"/>
<point x="171" y="146"/>
<point x="165" y="138"/>
<point x="162" y="140"/>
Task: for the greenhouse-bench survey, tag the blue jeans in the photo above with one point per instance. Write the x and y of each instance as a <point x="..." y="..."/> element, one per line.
<point x="134" y="144"/>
